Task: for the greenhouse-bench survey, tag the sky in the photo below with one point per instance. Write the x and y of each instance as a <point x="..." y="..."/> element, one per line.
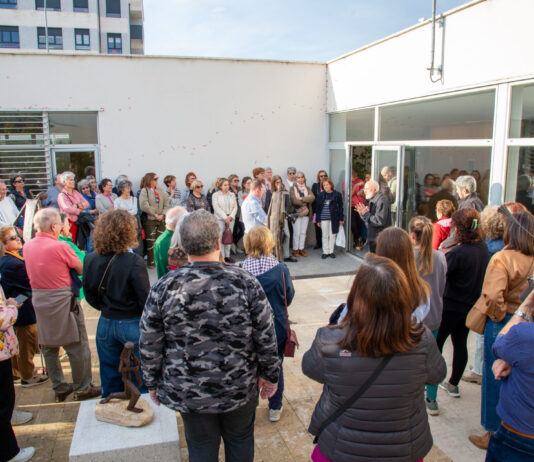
<point x="301" y="30"/>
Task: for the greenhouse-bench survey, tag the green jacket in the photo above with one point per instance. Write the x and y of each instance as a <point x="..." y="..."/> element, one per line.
<point x="161" y="253"/>
<point x="79" y="253"/>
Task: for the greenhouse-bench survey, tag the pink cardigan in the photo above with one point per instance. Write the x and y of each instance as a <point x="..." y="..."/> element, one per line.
<point x="67" y="204"/>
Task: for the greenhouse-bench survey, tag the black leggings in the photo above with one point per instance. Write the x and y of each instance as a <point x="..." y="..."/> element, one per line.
<point x="453" y="324"/>
<point x="355" y="225"/>
<point x="10" y="447"/>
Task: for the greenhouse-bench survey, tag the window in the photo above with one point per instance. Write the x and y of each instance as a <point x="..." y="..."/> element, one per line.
<point x="8" y="3"/>
<point x="82" y="39"/>
<point x="353" y="126"/>
<point x="50" y="5"/>
<point x="73" y="127"/>
<point x="55" y="38"/>
<point x="114" y="44"/>
<point x="9" y="37"/>
<point x="459" y="117"/>
<point x="80" y="5"/>
<point x="136" y="32"/>
<point x="522" y="113"/>
<point x="113" y="8"/>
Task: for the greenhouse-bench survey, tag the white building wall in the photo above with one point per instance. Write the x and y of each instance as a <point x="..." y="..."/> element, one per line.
<point x="172" y="115"/>
<point x="487" y="41"/>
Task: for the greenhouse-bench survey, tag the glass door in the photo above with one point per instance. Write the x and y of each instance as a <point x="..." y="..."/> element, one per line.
<point x="338" y="174"/>
<point x="82" y="162"/>
<point x="387" y="169"/>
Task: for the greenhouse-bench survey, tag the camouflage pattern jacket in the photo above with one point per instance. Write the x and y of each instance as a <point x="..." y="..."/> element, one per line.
<point x="207" y="333"/>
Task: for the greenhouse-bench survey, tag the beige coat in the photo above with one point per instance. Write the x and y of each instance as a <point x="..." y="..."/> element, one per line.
<point x="147" y="202"/>
<point x="297" y="202"/>
<point x="505" y="280"/>
<point x="220" y="205"/>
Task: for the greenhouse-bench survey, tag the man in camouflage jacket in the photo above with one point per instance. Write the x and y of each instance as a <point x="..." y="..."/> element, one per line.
<point x="207" y="344"/>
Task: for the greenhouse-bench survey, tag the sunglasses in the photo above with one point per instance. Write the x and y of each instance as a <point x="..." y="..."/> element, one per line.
<point x="18" y="181"/>
<point x="199" y="187"/>
<point x="323" y="176"/>
<point x="291" y="173"/>
<point x="13" y="238"/>
<point x="155" y="178"/>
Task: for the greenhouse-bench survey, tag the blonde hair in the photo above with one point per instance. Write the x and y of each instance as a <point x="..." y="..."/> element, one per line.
<point x="4" y="231"/>
<point x="492" y="223"/>
<point x="259" y="242"/>
<point x="195" y="183"/>
<point x="422" y="229"/>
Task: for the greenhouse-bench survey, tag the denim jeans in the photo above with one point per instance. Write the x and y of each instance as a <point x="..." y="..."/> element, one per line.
<point x="490" y="387"/>
<point x="203" y="434"/>
<point x="111" y="335"/>
<point x="432" y="390"/>
<point x="507" y="446"/>
<point x="275" y="402"/>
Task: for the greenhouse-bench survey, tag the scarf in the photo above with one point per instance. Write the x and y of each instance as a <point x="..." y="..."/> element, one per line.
<point x="302" y="190"/>
<point x="156" y="195"/>
<point x="14" y="254"/>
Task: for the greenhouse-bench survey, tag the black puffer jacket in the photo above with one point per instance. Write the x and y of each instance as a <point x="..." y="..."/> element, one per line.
<point x="389" y="422"/>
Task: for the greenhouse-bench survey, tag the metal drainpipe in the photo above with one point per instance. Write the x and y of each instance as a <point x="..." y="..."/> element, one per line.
<point x="433" y="47"/>
<point x="99" y="33"/>
<point x="46" y="26"/>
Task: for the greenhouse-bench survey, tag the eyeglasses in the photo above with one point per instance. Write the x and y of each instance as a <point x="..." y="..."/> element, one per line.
<point x="13" y="238"/>
<point x="199" y="187"/>
<point x="18" y="181"/>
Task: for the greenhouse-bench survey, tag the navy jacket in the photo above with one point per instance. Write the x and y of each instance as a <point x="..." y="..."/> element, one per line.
<point x="336" y="208"/>
<point x="15" y="282"/>
<point x="378" y="217"/>
<point x="273" y="285"/>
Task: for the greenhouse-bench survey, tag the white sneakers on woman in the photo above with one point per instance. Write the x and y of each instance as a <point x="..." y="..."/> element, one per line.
<point x="24" y="454"/>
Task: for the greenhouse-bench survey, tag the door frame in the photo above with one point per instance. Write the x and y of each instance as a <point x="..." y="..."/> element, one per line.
<point x="75" y="148"/>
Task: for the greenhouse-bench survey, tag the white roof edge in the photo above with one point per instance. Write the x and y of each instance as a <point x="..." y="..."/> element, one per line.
<point x="409" y="29"/>
<point x="23" y="52"/>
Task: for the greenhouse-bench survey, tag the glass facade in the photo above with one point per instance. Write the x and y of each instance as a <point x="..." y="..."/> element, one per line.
<point x="459" y="117"/>
<point x="522" y="112"/>
<point x="520" y="176"/>
<point x="353" y="125"/>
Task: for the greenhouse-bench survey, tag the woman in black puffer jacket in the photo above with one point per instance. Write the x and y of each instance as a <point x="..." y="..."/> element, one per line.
<point x="389" y="421"/>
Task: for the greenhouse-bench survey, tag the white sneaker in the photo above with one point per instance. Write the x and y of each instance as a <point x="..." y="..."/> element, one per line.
<point x="24" y="454"/>
<point x="21" y="417"/>
<point x="274" y="414"/>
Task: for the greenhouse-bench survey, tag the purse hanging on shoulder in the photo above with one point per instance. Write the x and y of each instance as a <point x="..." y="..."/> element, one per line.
<point x="291" y="341"/>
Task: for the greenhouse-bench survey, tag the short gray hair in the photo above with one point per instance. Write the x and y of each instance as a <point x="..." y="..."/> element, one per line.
<point x="291" y="168"/>
<point x="45" y="218"/>
<point x="119" y="179"/>
<point x="65" y="176"/>
<point x="199" y="232"/>
<point x="123" y="184"/>
<point x="173" y="215"/>
<point x="466" y="182"/>
<point x="176" y="240"/>
<point x="82" y="184"/>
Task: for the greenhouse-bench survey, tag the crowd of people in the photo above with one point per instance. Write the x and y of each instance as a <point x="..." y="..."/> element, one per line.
<point x="212" y="335"/>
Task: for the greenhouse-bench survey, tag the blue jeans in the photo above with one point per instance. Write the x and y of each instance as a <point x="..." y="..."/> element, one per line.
<point x="490" y="387"/>
<point x="111" y="335"/>
<point x="432" y="390"/>
<point x="478" y="362"/>
<point x="275" y="402"/>
<point x="507" y="446"/>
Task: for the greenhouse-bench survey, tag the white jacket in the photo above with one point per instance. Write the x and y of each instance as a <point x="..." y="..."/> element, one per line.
<point x="223" y="207"/>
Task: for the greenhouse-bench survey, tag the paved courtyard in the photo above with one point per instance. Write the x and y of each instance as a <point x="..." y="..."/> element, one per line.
<point x="52" y="427"/>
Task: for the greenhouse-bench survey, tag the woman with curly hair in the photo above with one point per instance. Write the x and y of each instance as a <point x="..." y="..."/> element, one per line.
<point x="466" y="266"/>
<point x="115" y="282"/>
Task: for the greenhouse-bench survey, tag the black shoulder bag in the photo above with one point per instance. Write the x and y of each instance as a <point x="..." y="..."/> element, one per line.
<point x="334" y="416"/>
<point x="103" y="282"/>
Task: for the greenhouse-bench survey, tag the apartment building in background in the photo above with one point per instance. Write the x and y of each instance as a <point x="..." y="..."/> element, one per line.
<point x="80" y="26"/>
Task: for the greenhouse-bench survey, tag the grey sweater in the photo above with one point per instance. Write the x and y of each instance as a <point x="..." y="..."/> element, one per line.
<point x="436" y="280"/>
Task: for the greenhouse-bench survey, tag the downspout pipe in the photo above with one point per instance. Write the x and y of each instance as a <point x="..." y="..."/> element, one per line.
<point x="432" y="69"/>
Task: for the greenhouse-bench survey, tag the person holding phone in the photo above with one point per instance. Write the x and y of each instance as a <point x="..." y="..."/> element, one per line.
<point x="16" y="284"/>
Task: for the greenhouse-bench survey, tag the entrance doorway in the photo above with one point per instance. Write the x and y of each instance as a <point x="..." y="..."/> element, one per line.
<point x="81" y="162"/>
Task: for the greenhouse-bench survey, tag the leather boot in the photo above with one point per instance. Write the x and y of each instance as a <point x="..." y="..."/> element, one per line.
<point x="481" y="442"/>
<point x="296" y="253"/>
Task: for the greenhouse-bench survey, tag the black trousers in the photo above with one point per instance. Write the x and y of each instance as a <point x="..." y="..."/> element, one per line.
<point x="290" y="226"/>
<point x="9" y="446"/>
<point x="318" y="236"/>
<point x="355" y="225"/>
<point x="203" y="434"/>
<point x="453" y="324"/>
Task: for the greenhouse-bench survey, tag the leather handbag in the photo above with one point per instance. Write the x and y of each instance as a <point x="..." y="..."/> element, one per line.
<point x="291" y="341"/>
<point x="227" y="237"/>
<point x="476" y="320"/>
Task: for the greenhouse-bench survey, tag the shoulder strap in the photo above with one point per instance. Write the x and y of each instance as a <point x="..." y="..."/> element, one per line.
<point x="101" y="287"/>
<point x="285" y="303"/>
<point x="354" y="397"/>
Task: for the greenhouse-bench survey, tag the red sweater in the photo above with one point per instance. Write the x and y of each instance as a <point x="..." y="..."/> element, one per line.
<point x="442" y="228"/>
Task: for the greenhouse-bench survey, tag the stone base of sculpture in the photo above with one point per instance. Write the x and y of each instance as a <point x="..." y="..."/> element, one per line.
<point x="116" y="412"/>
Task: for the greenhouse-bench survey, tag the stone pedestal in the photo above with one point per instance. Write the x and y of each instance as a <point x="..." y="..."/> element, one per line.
<point x="115" y="412"/>
<point x="95" y="441"/>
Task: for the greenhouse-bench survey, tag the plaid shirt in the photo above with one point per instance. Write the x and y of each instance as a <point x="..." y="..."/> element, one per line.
<point x="257" y="266"/>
